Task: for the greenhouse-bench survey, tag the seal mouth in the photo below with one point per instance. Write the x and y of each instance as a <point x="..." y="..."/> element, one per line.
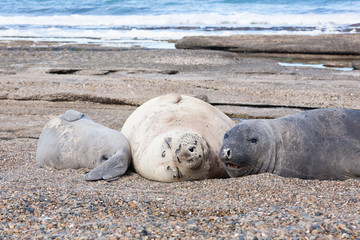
<point x="230" y="165"/>
<point x="236" y="170"/>
<point x="195" y="163"/>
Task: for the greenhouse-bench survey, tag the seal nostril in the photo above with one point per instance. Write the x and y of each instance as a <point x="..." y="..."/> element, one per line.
<point x="191" y="149"/>
<point x="228" y="153"/>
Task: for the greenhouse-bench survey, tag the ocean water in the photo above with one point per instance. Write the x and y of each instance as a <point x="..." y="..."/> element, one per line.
<point x="154" y="24"/>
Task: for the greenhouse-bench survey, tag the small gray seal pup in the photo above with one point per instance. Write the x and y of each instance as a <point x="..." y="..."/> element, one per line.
<point x="316" y="144"/>
<point x="75" y="141"/>
<point x="177" y="138"/>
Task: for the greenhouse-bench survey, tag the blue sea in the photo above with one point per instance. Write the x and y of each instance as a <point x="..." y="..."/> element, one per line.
<point x="155" y="24"/>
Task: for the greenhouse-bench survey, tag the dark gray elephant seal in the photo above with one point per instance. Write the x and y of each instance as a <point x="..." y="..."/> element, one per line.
<point x="75" y="141"/>
<point x="316" y="144"/>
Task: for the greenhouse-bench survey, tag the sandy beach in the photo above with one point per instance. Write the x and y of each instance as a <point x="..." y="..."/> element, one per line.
<point x="39" y="81"/>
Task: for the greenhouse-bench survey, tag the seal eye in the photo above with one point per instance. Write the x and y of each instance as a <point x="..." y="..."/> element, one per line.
<point x="252" y="140"/>
<point x="226" y="135"/>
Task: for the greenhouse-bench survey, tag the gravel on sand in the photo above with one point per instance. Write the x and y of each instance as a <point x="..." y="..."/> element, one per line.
<point x="41" y="203"/>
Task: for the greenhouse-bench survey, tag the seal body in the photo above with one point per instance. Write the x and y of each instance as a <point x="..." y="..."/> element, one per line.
<point x="75" y="141"/>
<point x="316" y="144"/>
<point x="176" y="138"/>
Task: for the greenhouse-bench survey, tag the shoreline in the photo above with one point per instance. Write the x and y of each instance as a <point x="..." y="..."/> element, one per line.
<point x="248" y="46"/>
<point x="107" y="85"/>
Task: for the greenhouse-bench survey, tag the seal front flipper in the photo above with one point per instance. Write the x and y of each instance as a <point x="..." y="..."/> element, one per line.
<point x="111" y="169"/>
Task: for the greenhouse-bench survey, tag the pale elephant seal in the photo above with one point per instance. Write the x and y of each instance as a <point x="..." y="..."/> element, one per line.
<point x="176" y="138"/>
<point x="316" y="144"/>
<point x="75" y="141"/>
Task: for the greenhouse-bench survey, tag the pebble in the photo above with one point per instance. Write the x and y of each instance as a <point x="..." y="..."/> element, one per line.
<point x="356" y="65"/>
<point x="254" y="207"/>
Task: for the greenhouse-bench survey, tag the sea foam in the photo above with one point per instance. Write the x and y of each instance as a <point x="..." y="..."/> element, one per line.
<point x="209" y="19"/>
<point x="147" y="30"/>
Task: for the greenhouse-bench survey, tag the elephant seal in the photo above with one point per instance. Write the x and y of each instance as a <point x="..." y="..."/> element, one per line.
<point x="75" y="141"/>
<point x="316" y="144"/>
<point x="177" y="138"/>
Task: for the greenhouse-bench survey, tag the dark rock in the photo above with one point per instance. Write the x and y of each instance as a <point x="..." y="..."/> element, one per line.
<point x="337" y="44"/>
<point x="356" y="65"/>
<point x="170" y="72"/>
<point x="63" y="71"/>
<point x="29" y="209"/>
<point x="143" y="232"/>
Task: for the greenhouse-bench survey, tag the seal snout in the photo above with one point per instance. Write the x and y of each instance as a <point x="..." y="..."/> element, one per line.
<point x="227" y="157"/>
<point x="226" y="154"/>
<point x="191" y="151"/>
<point x="191" y="156"/>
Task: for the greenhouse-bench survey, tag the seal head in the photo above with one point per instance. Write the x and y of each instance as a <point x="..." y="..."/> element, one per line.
<point x="176" y="155"/>
<point x="190" y="153"/>
<point x="248" y="148"/>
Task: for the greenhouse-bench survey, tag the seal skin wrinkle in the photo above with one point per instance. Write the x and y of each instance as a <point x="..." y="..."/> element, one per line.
<point x="317" y="144"/>
<point x="177" y="138"/>
<point x="75" y="141"/>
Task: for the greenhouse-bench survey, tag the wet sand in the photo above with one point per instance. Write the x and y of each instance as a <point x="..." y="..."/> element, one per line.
<point x="41" y="81"/>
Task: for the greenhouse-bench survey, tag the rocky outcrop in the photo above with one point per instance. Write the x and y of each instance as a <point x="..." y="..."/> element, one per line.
<point x="335" y="44"/>
<point x="356" y="65"/>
